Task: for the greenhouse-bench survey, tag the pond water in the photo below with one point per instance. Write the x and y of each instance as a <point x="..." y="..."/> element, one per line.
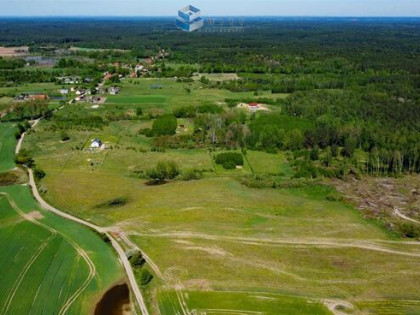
<point x="116" y="301"/>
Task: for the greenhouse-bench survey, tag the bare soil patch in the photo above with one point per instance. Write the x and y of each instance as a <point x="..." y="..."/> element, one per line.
<point x="378" y="197"/>
<point x="13" y="51"/>
<point x="35" y="215"/>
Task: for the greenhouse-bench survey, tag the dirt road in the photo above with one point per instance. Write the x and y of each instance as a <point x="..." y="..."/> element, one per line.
<point x="398" y="213"/>
<point x="114" y="243"/>
<point x="123" y="258"/>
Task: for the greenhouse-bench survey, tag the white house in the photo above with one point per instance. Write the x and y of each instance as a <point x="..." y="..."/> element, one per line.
<point x="64" y="91"/>
<point x="95" y="144"/>
<point x="114" y="90"/>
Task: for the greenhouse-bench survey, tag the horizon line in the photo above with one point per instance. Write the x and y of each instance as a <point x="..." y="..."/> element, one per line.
<point x="247" y="16"/>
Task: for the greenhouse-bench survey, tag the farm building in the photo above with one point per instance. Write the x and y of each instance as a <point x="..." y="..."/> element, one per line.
<point x="253" y="106"/>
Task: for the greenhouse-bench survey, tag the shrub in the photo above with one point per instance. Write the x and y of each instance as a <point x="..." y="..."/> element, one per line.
<point x="229" y="165"/>
<point x="137" y="260"/>
<point x="145" y="277"/>
<point x="147" y="132"/>
<point x="24" y="158"/>
<point x="64" y="136"/>
<point x="229" y="160"/>
<point x="165" y="125"/>
<point x="410" y="230"/>
<point x="39" y="173"/>
<point x="192" y="174"/>
<point x="163" y="171"/>
<point x="139" y="111"/>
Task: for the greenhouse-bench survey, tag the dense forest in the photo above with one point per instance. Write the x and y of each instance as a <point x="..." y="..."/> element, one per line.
<point x="353" y="85"/>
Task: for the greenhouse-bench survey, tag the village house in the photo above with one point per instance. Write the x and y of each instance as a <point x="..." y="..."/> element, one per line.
<point x="31" y="97"/>
<point x="100" y="90"/>
<point x="253" y="106"/>
<point x="107" y="76"/>
<point x="34" y="97"/>
<point x="114" y="90"/>
<point x="63" y="91"/>
<point x="69" y="80"/>
<point x="96" y="144"/>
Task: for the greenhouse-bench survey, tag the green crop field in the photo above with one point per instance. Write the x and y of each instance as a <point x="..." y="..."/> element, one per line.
<point x="50" y="265"/>
<point x="7" y="146"/>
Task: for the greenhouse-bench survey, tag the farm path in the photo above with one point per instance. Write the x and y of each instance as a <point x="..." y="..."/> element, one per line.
<point x="114" y="243"/>
<point x="123" y="258"/>
<point x="19" y="144"/>
<point x="360" y="244"/>
<point x="120" y="234"/>
<point x="398" y="213"/>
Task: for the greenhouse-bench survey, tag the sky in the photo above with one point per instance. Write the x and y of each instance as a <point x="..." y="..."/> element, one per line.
<point x="395" y="8"/>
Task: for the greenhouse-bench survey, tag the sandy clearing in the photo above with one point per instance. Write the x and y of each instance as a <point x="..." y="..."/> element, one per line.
<point x="13" y="51"/>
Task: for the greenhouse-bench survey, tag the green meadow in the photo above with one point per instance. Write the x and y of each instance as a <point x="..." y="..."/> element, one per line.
<point x="7" y="146"/>
<point x="221" y="247"/>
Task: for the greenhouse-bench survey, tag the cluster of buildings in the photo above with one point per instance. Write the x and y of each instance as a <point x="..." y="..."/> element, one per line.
<point x="73" y="80"/>
<point x="31" y="97"/>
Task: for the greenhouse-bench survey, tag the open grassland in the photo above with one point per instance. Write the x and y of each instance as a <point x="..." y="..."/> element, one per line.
<point x="217" y="235"/>
<point x="219" y="303"/>
<point x="7" y="146"/>
<point x="30" y="88"/>
<point x="52" y="265"/>
<point x="139" y="93"/>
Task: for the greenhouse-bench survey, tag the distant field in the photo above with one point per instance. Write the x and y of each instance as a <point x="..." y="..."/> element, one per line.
<point x="7" y="146"/>
<point x="30" y="88"/>
<point x="13" y="51"/>
<point x="139" y="92"/>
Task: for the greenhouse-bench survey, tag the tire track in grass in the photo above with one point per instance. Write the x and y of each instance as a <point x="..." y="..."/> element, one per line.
<point x="79" y="250"/>
<point x="19" y="280"/>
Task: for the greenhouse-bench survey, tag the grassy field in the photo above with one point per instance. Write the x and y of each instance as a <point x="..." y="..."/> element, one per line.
<point x="139" y="93"/>
<point x="7" y="146"/>
<point x="221" y="247"/>
<point x="219" y="303"/>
